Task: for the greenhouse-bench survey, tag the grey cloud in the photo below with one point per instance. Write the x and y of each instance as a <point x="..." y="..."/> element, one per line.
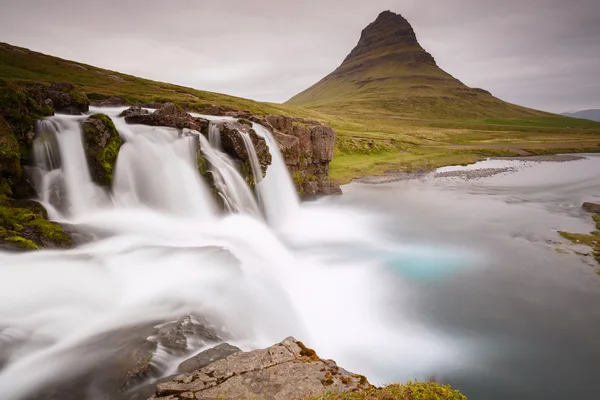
<point x="539" y="53"/>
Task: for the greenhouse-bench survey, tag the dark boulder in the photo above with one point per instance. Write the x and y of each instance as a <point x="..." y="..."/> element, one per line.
<point x="134" y="110"/>
<point x="102" y="143"/>
<point x="592" y="207"/>
<point x="169" y="115"/>
<point x="68" y="99"/>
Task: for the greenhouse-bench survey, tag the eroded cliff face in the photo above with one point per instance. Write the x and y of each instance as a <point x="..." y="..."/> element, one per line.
<point x="307" y="148"/>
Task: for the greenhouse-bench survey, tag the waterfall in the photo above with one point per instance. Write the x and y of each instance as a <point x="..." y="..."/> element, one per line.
<point x="214" y="136"/>
<point x="70" y="178"/>
<point x="281" y="202"/>
<point x="156" y="167"/>
<point x="166" y="251"/>
<point x="231" y="186"/>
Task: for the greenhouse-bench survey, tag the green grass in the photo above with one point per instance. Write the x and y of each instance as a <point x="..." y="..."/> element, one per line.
<point x="408" y="391"/>
<point x="388" y="125"/>
<point x="591" y="240"/>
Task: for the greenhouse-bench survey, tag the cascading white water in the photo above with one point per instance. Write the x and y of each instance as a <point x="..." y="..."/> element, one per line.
<point x="82" y="194"/>
<point x="277" y="191"/>
<point x="214" y="136"/>
<point x="231" y="186"/>
<point x="167" y="252"/>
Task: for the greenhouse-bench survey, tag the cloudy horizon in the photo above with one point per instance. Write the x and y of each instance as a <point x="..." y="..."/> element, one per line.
<point x="543" y="54"/>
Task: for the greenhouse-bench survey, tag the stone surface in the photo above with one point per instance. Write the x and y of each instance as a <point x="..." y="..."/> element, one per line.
<point x="307" y="148"/>
<point x="169" y="115"/>
<point x="207" y="357"/>
<point x="286" y="370"/>
<point x="592" y="207"/>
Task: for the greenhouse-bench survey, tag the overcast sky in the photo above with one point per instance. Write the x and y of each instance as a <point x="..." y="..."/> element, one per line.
<point x="538" y="53"/>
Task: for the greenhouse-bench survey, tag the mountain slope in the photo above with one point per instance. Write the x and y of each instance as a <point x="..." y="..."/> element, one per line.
<point x="22" y="64"/>
<point x="593" y="115"/>
<point x="389" y="73"/>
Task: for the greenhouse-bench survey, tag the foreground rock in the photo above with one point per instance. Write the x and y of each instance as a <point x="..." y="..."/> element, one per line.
<point x="287" y="370"/>
<point x="207" y="357"/>
<point x="307" y="148"/>
<point x="169" y="115"/>
<point x="102" y="143"/>
<point x="592" y="207"/>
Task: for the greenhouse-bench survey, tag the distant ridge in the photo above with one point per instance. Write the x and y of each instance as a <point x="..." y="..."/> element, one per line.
<point x="592" y="114"/>
<point x="388" y="72"/>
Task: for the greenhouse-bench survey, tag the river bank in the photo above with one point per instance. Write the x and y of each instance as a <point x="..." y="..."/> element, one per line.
<point x="476" y="170"/>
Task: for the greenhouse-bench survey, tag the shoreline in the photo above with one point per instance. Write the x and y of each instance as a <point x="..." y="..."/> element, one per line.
<point x="477" y="173"/>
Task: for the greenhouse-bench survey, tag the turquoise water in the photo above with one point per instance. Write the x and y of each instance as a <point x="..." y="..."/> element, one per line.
<point x="480" y="263"/>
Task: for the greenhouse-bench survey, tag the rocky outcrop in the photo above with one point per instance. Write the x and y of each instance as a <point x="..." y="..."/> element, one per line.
<point x="207" y="357"/>
<point x="287" y="370"/>
<point x="233" y="144"/>
<point x="68" y="99"/>
<point x="169" y="115"/>
<point x="24" y="224"/>
<point x="102" y="143"/>
<point x="307" y="148"/>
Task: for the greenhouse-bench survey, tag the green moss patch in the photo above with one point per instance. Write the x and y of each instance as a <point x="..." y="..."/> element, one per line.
<point x="22" y="243"/>
<point x="591" y="240"/>
<point x="29" y="230"/>
<point x="408" y="391"/>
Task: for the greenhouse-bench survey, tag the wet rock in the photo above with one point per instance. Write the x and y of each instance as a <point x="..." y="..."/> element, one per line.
<point x="286" y="370"/>
<point x="233" y="144"/>
<point x="174" y="336"/>
<point x="307" y="148"/>
<point x="591" y="207"/>
<point x="119" y="364"/>
<point x="169" y="115"/>
<point x="134" y="110"/>
<point x="102" y="143"/>
<point x="207" y="357"/>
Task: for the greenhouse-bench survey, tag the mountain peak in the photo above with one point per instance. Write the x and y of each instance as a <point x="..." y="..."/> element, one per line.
<point x="390" y="32"/>
<point x="389" y="73"/>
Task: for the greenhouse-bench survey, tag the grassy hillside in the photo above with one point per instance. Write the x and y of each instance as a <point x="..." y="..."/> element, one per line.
<point x="367" y="143"/>
<point x="21" y="64"/>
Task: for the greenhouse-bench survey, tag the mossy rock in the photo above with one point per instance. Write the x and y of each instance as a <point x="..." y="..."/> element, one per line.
<point x="10" y="166"/>
<point x="21" y="105"/>
<point x="25" y="226"/>
<point x="102" y="143"/>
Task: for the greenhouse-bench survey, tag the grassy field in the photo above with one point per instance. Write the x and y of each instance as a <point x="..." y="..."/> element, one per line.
<point x="370" y="142"/>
